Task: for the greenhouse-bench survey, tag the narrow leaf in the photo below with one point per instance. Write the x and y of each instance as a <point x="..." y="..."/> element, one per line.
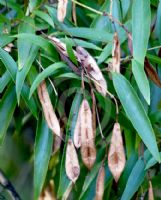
<point x="11" y="67"/>
<point x="45" y="17"/>
<point x="90" y="33"/>
<point x="136" y="113"/>
<point x="141" y="79"/>
<point x="141" y="21"/>
<point x="42" y="152"/>
<point x="4" y="80"/>
<point x="21" y="74"/>
<point x="136" y="177"/>
<point x="27" y="26"/>
<point x="7" y="107"/>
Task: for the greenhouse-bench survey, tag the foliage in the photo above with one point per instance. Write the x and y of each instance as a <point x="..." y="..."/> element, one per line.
<point x="102" y="66"/>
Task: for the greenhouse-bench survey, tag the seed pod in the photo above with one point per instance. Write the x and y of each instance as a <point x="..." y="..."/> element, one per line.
<point x="92" y="69"/>
<point x="77" y="132"/>
<point x="88" y="150"/>
<point x="150" y="192"/>
<point x="61" y="10"/>
<point x="116" y="154"/>
<point x="48" y="110"/>
<point x="100" y="184"/>
<point x="71" y="163"/>
<point x="116" y="54"/>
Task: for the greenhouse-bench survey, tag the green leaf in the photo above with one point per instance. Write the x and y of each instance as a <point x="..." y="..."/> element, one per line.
<point x="102" y="22"/>
<point x="64" y="182"/>
<point x="44" y="74"/>
<point x="7" y="107"/>
<point x="11" y="67"/>
<point x="90" y="33"/>
<point x="45" y="17"/>
<point x="136" y="177"/>
<point x="21" y="75"/>
<point x="141" y="21"/>
<point x="70" y="51"/>
<point x="27" y="26"/>
<point x="154" y="58"/>
<point x="31" y="103"/>
<point x="69" y="75"/>
<point x="136" y="113"/>
<point x="151" y="163"/>
<point x="42" y="153"/>
<point x="130" y="163"/>
<point x="125" y="4"/>
<point x="4" y="80"/>
<point x="39" y="41"/>
<point x="82" y="43"/>
<point x="5" y="39"/>
<point x="158" y="22"/>
<point x="9" y="63"/>
<point x="33" y="4"/>
<point x="141" y="79"/>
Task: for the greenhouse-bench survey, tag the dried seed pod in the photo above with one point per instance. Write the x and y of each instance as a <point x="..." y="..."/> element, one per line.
<point x="100" y="184"/>
<point x="77" y="132"/>
<point x="48" y="110"/>
<point x="92" y="69"/>
<point x="88" y="149"/>
<point x="62" y="9"/>
<point x="116" y="54"/>
<point x="150" y="192"/>
<point x="71" y="162"/>
<point x="116" y="154"/>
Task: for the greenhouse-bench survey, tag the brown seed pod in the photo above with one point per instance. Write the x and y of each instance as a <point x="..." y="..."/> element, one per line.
<point x="77" y="132"/>
<point x="88" y="149"/>
<point x="62" y="9"/>
<point x="92" y="69"/>
<point x="150" y="192"/>
<point x="48" y="110"/>
<point x="71" y="162"/>
<point x="116" y="54"/>
<point x="116" y="154"/>
<point x="100" y="184"/>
